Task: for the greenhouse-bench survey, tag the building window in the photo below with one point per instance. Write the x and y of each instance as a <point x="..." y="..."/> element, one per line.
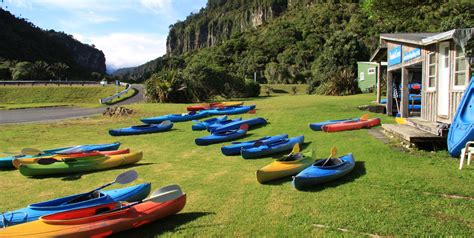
<point x="371" y="71"/>
<point x="362" y="76"/>
<point x="431" y="70"/>
<point x="459" y="68"/>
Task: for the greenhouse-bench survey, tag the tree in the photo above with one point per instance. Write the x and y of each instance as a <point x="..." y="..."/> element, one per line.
<point x="22" y="71"/>
<point x="59" y="71"/>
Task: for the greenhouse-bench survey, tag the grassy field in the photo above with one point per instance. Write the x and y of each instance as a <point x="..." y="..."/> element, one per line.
<point x="389" y="193"/>
<point x="12" y="97"/>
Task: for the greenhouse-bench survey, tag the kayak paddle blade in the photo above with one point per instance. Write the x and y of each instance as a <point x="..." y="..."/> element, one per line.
<point x="31" y="151"/>
<point x="364" y="117"/>
<point x="126" y="177"/>
<point x="253" y="111"/>
<point x="296" y="149"/>
<point x="333" y="152"/>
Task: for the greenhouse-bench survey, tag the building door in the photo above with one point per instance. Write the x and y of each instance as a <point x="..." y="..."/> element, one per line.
<point x="443" y="79"/>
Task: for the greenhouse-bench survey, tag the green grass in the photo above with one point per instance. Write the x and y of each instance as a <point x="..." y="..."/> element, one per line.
<point x="276" y="89"/>
<point x="10" y="95"/>
<point x="390" y="193"/>
<point x="132" y="92"/>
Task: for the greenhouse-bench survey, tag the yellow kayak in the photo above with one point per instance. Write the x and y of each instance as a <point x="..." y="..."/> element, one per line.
<point x="284" y="168"/>
<point x="77" y="166"/>
<point x="232" y="104"/>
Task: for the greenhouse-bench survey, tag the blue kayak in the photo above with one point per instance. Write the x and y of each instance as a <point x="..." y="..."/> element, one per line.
<point x="222" y="123"/>
<point x="223" y="136"/>
<point x="34" y="211"/>
<point x="142" y="129"/>
<point x="236" y="147"/>
<point x="414" y="107"/>
<point x="462" y="128"/>
<point x="317" y="126"/>
<point x="272" y="148"/>
<point x="203" y="125"/>
<point x="235" y="125"/>
<point x="316" y="174"/>
<point x="230" y="110"/>
<point x="7" y="162"/>
<point x="176" y="117"/>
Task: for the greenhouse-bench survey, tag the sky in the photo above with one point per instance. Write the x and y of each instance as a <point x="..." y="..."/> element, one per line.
<point x="129" y="32"/>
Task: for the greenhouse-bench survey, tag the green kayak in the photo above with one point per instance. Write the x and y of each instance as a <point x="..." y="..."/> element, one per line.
<point x="78" y="166"/>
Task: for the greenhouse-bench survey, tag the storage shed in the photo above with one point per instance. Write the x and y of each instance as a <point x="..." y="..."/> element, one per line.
<point x="437" y="62"/>
<point x="368" y="75"/>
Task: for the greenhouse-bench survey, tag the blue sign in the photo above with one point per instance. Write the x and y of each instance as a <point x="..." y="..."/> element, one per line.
<point x="395" y="55"/>
<point x="415" y="53"/>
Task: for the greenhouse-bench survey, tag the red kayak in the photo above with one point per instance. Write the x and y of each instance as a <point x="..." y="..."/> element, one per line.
<point x="344" y="126"/>
<point x="103" y="220"/>
<point x="92" y="153"/>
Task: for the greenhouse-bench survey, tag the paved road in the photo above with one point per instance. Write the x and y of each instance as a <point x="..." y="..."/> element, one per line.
<point x="59" y="113"/>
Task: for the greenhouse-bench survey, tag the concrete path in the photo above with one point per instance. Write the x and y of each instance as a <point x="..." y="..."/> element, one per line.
<point x="59" y="113"/>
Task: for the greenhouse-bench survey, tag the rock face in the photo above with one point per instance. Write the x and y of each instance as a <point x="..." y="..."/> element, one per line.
<point x="23" y="41"/>
<point x="220" y="19"/>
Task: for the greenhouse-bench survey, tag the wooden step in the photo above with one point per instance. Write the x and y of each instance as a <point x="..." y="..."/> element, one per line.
<point x="428" y="126"/>
<point x="411" y="134"/>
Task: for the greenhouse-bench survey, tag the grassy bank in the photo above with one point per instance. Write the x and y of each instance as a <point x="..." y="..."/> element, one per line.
<point x="390" y="192"/>
<point x="278" y="89"/>
<point x="33" y="96"/>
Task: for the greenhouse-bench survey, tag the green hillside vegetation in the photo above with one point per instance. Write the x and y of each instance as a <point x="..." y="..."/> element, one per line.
<point x="26" y="47"/>
<point x="296" y="41"/>
<point x="390" y="193"/>
<point x="15" y="96"/>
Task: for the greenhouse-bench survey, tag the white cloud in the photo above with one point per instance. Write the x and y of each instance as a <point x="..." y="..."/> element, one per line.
<point x="127" y="49"/>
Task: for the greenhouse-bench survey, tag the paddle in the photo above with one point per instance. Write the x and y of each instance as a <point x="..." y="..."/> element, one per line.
<point x="163" y="194"/>
<point x="244" y="127"/>
<point x="31" y="151"/>
<point x="364" y="117"/>
<point x="294" y="151"/>
<point x="123" y="178"/>
<point x="332" y="155"/>
<point x="253" y="111"/>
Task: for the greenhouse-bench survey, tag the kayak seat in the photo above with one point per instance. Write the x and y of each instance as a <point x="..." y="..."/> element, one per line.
<point x="102" y="210"/>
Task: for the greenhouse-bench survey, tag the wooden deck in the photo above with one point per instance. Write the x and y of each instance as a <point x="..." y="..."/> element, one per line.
<point x="411" y="135"/>
<point x="428" y="126"/>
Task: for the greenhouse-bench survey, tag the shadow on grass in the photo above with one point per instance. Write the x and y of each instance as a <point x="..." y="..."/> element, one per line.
<point x="77" y="176"/>
<point x="359" y="171"/>
<point x="150" y="133"/>
<point x="169" y="224"/>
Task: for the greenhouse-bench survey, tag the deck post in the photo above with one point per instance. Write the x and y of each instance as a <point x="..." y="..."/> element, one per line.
<point x="389" y="93"/>
<point x="379" y="77"/>
<point x="405" y="92"/>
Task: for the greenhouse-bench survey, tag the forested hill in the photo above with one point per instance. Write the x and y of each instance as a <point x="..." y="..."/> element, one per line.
<point x="295" y="41"/>
<point x="23" y="41"/>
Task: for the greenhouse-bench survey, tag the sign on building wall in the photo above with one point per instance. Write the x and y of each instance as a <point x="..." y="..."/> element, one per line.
<point x="395" y="55"/>
<point x="409" y="55"/>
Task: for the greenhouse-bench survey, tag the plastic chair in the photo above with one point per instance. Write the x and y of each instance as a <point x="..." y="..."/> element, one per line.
<point x="469" y="151"/>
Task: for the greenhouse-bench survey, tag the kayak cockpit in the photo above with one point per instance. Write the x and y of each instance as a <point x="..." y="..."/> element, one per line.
<point x="74" y="200"/>
<point x="85" y="215"/>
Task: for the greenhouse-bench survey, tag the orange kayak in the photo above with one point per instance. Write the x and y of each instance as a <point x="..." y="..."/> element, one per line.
<point x="344" y="126"/>
<point x="97" y="221"/>
<point x="93" y="154"/>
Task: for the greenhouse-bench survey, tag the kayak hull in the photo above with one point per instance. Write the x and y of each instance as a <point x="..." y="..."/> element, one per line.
<point x="351" y="125"/>
<point x="235" y="125"/>
<point x="7" y="162"/>
<point x="175" y="118"/>
<point x="141" y="129"/>
<point x="100" y="225"/>
<point x="230" y="110"/>
<point x="272" y="148"/>
<point x="220" y="137"/>
<point x="281" y="169"/>
<point x="462" y="128"/>
<point x="34" y="211"/>
<point x="236" y="147"/>
<point x="315" y="174"/>
<point x="79" y="166"/>
<point x="203" y="125"/>
<point x="317" y="126"/>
